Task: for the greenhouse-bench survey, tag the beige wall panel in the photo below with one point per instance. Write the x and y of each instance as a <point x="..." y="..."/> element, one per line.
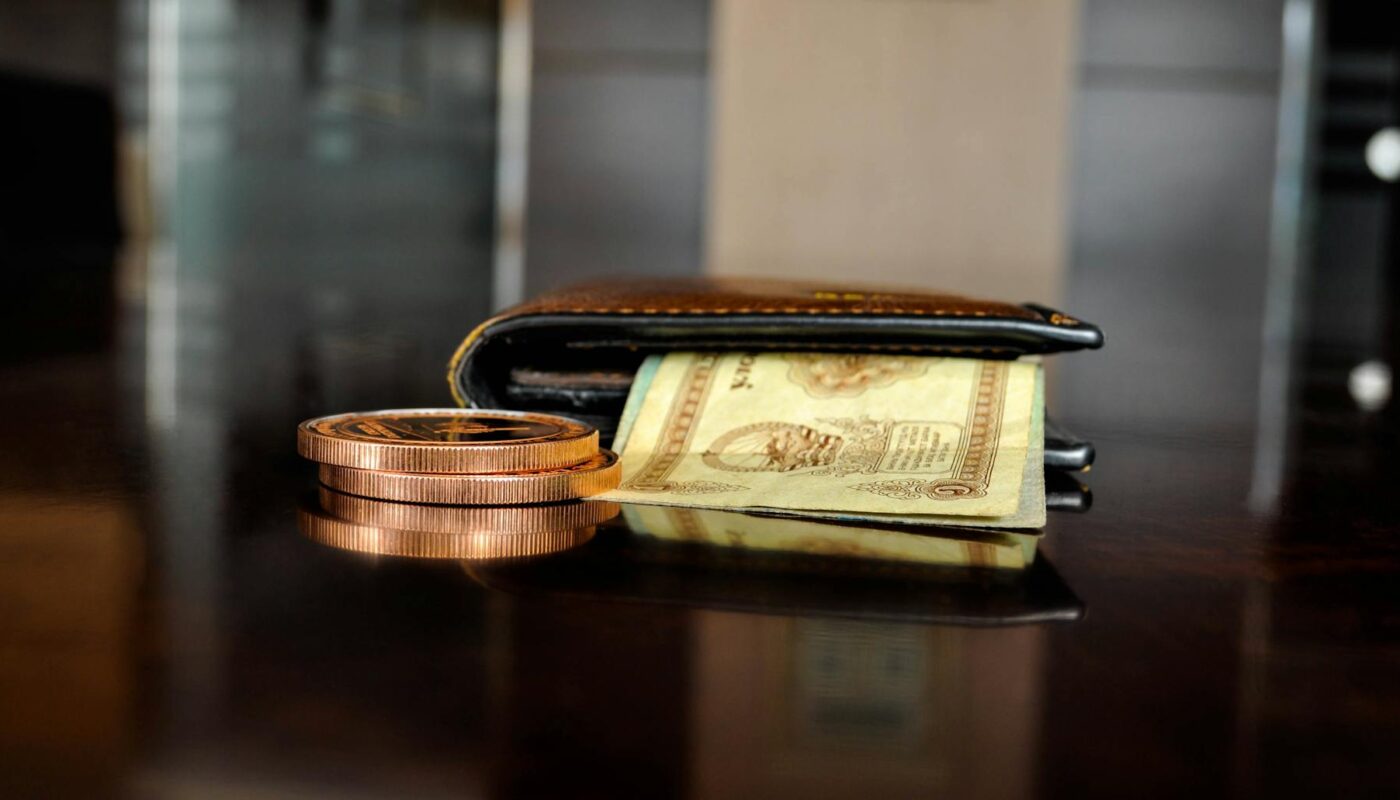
<point x="919" y="142"/>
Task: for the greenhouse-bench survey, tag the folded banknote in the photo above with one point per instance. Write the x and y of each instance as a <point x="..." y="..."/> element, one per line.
<point x="885" y="438"/>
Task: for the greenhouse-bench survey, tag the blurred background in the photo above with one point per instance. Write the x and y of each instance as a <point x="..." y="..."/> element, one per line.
<point x="222" y="216"/>
<point x="1212" y="183"/>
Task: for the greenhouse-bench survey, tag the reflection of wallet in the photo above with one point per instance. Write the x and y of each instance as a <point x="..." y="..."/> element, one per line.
<point x="620" y="565"/>
<point x="575" y="352"/>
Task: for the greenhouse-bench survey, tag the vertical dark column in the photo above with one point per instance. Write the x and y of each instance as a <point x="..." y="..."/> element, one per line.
<point x="1390" y="242"/>
<point x="618" y="128"/>
<point x="1352" y="299"/>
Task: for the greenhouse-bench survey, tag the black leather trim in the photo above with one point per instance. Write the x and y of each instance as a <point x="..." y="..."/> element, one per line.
<point x="621" y="341"/>
<point x="1066" y="450"/>
<point x="982" y="337"/>
<point x="1064" y="492"/>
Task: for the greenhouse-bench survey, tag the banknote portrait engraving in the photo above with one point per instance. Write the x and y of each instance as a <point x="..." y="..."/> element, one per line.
<point x="855" y="445"/>
<point x="772" y="447"/>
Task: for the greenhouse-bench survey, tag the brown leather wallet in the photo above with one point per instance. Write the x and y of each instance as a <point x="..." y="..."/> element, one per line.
<point x="575" y="351"/>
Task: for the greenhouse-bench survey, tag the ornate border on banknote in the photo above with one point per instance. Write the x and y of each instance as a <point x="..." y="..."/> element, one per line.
<point x="676" y="432"/>
<point x="973" y="473"/>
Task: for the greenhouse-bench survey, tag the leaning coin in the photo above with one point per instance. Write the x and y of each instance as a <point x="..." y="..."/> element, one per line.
<point x="442" y="440"/>
<point x="466" y="519"/>
<point x="594" y="476"/>
<point x="323" y="528"/>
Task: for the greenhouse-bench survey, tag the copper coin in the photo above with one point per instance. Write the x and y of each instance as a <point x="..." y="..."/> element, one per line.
<point x="594" y="476"/>
<point x="442" y="440"/>
<point x="333" y="531"/>
<point x="466" y="519"/>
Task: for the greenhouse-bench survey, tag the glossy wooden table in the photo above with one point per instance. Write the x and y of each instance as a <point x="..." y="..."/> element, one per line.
<point x="167" y="632"/>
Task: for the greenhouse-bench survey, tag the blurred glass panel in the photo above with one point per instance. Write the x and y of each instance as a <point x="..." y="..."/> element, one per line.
<point x="333" y="156"/>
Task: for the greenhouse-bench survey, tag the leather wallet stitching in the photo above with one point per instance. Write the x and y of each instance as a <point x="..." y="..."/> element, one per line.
<point x="800" y="345"/>
<point x="915" y="312"/>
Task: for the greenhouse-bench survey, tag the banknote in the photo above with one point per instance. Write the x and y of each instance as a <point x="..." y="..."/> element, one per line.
<point x="904" y="436"/>
<point x="1001" y="550"/>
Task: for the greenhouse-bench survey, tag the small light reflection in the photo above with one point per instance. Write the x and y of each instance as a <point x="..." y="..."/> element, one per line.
<point x="1383" y="154"/>
<point x="1369" y="384"/>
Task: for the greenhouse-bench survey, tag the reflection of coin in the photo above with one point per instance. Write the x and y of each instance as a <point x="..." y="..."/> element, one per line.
<point x="335" y="532"/>
<point x="447" y="440"/>
<point x="467" y="519"/>
<point x="594" y="476"/>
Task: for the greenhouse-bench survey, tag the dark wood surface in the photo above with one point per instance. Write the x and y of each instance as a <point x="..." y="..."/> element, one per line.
<point x="167" y="632"/>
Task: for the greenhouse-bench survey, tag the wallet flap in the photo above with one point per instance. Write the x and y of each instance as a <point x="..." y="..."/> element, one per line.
<point x="606" y="329"/>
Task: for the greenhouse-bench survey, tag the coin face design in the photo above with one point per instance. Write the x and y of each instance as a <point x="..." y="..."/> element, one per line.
<point x="447" y="440"/>
<point x="439" y="427"/>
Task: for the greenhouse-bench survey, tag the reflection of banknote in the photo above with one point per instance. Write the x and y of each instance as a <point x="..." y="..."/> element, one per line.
<point x="748" y="532"/>
<point x="849" y="434"/>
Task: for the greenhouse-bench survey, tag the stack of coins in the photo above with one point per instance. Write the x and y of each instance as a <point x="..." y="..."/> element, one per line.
<point x="456" y="457"/>
<point x="520" y="474"/>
